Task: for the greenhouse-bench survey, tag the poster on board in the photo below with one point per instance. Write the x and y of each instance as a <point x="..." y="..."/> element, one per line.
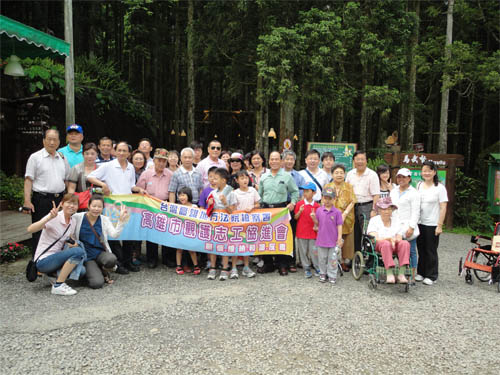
<point x="343" y="151"/>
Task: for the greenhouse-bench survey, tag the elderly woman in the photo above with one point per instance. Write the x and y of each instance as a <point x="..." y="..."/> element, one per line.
<point x="93" y="230"/>
<point x="344" y="201"/>
<point x="407" y="199"/>
<point x="56" y="250"/>
<point x="388" y="232"/>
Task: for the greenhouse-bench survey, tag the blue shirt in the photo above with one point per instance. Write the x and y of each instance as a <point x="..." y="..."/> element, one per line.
<point x="92" y="245"/>
<point x="299" y="181"/>
<point x="100" y="160"/>
<point x="71" y="156"/>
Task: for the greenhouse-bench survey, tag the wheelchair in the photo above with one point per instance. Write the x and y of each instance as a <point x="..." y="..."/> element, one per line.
<point x="368" y="261"/>
<point x="483" y="260"/>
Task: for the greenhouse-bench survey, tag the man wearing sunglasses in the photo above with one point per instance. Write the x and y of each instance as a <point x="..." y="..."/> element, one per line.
<point x="212" y="160"/>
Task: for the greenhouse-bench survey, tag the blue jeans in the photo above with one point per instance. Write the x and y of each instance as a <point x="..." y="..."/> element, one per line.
<point x="413" y="253"/>
<point x="54" y="262"/>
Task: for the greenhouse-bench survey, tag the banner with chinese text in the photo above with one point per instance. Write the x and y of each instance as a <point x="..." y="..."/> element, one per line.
<point x="263" y="231"/>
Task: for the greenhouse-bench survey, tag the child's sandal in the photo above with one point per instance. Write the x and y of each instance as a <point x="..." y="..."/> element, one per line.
<point x="196" y="270"/>
<point x="179" y="270"/>
<point x="107" y="277"/>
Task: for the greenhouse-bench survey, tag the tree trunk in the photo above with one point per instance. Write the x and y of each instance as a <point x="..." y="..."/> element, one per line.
<point x="177" y="73"/>
<point x="458" y="115"/>
<point x="69" y="64"/>
<point x="468" y="161"/>
<point x="105" y="42"/>
<point x="286" y="122"/>
<point x="410" y="124"/>
<point x="340" y="122"/>
<point x="190" y="69"/>
<point x="265" y="125"/>
<point x="300" y="142"/>
<point x="445" y="97"/>
<point x="312" y="129"/>
<point x="364" y="110"/>
<point x="259" y="139"/>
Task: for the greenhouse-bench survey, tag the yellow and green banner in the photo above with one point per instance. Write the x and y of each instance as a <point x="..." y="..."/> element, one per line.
<point x="262" y="231"/>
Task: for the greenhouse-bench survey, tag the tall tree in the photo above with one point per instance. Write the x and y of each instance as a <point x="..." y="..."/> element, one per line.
<point x="190" y="69"/>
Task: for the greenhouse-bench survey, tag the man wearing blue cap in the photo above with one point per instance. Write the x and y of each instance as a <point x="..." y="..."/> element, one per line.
<point x="73" y="151"/>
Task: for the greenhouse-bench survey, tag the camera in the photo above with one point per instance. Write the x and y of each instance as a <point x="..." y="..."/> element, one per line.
<point x="70" y="241"/>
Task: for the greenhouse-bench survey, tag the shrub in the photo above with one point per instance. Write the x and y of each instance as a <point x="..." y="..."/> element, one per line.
<point x="374" y="163"/>
<point x="13" y="251"/>
<point x="471" y="206"/>
<point x="12" y="190"/>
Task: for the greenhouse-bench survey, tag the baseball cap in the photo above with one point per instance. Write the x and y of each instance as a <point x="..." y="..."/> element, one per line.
<point x="308" y="186"/>
<point x="161" y="153"/>
<point x="74" y="127"/>
<point x="404" y="172"/>
<point x="329" y="192"/>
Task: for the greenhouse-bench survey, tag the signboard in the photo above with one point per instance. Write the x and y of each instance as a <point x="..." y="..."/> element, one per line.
<point x="287" y="144"/>
<point x="416" y="176"/>
<point x="343" y="151"/>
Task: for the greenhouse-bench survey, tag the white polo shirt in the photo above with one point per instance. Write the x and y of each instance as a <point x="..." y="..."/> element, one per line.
<point x="207" y="163"/>
<point x="47" y="172"/>
<point x="365" y="186"/>
<point x="119" y="180"/>
<point x="321" y="176"/>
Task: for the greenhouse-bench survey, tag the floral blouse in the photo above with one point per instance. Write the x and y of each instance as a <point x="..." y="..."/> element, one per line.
<point x="344" y="197"/>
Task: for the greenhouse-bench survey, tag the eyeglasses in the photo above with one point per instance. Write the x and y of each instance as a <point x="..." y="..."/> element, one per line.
<point x="215" y="147"/>
<point x="234" y="160"/>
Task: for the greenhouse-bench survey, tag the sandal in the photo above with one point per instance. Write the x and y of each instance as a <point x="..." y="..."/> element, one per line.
<point x="107" y="277"/>
<point x="197" y="270"/>
<point x="292" y="269"/>
<point x="179" y="270"/>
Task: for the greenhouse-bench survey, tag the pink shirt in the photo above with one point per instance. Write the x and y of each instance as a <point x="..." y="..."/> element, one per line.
<point x="51" y="232"/>
<point x="205" y="165"/>
<point x="365" y="186"/>
<point x="155" y="185"/>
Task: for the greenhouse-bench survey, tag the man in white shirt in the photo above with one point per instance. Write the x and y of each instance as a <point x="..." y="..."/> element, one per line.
<point x="117" y="177"/>
<point x="212" y="160"/>
<point x="46" y="173"/>
<point x="313" y="174"/>
<point x="367" y="189"/>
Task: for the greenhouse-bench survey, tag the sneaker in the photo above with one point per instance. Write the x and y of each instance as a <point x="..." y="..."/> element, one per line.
<point x="207" y="267"/>
<point x="428" y="281"/>
<point x="332" y="281"/>
<point x="322" y="278"/>
<point x="247" y="271"/>
<point x="316" y="272"/>
<point x="307" y="273"/>
<point x="234" y="274"/>
<point x="260" y="263"/>
<point x="223" y="275"/>
<point x="63" y="290"/>
<point x="179" y="271"/>
<point x="419" y="278"/>
<point x="211" y="274"/>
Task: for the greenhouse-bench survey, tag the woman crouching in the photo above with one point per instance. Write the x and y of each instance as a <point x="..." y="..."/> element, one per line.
<point x="57" y="251"/>
<point x="93" y="230"/>
<point x="388" y="232"/>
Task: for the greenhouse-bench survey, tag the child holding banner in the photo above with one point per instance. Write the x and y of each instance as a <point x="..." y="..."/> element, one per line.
<point x="222" y="198"/>
<point x="306" y="235"/>
<point x="247" y="198"/>
<point x="185" y="197"/>
<point x="329" y="221"/>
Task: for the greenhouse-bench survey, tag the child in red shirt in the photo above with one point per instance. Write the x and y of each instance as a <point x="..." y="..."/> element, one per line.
<point x="306" y="235"/>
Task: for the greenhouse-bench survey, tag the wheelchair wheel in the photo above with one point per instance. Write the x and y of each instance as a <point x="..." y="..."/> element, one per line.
<point x="483" y="259"/>
<point x="358" y="265"/>
<point x="468" y="278"/>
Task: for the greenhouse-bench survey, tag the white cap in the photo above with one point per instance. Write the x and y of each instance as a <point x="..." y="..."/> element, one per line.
<point x="404" y="172"/>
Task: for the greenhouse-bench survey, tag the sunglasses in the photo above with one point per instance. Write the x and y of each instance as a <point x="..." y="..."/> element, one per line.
<point x="215" y="147"/>
<point x="235" y="161"/>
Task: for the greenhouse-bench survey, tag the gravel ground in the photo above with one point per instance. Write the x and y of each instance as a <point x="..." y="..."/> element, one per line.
<point x="155" y="322"/>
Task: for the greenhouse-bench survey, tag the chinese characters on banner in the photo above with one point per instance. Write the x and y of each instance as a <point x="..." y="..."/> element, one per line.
<point x="258" y="232"/>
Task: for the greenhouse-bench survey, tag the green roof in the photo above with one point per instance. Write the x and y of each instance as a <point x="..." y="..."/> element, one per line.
<point x="495" y="156"/>
<point x="25" y="41"/>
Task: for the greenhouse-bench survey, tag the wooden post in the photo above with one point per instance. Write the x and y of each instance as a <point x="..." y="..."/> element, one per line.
<point x="69" y="64"/>
<point x="450" y="186"/>
<point x="394" y="164"/>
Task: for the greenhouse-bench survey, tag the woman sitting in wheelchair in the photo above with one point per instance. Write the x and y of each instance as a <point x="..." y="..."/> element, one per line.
<point x="388" y="232"/>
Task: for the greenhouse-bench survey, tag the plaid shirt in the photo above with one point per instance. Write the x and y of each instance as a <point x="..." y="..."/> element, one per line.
<point x="192" y="180"/>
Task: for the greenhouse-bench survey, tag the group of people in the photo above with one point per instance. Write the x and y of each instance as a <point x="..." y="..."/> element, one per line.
<point x="328" y="209"/>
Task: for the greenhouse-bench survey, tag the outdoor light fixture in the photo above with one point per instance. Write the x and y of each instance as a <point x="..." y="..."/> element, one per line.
<point x="295" y="138"/>
<point x="215" y="135"/>
<point x="272" y="133"/>
<point x="183" y="133"/>
<point x="14" y="68"/>
<point x="172" y="132"/>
